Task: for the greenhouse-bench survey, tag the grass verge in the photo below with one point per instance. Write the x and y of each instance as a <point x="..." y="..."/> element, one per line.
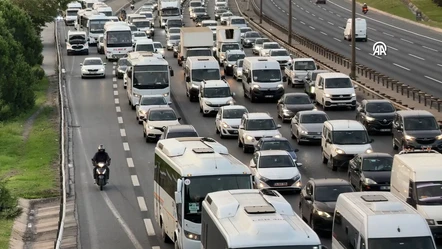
<point x="30" y="165"/>
<point x="398" y="8"/>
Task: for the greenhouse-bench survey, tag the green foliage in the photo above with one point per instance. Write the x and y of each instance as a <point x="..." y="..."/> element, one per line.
<point x="8" y="204"/>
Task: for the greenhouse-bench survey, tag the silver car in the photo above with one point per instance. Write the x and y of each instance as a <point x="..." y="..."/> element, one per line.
<point x="148" y="101"/>
<point x="159" y="48"/>
<point x="258" y="45"/>
<point x="237" y="70"/>
<point x="307" y="126"/>
<point x="172" y="40"/>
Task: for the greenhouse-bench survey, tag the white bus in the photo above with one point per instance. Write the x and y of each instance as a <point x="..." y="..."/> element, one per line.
<point x="105" y="10"/>
<point x="147" y="73"/>
<point x="185" y="171"/>
<point x="89" y="3"/>
<point x="92" y="24"/>
<point x="253" y="219"/>
<point x="117" y="40"/>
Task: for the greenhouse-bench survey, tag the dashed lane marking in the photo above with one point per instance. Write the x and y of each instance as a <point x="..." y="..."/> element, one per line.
<point x="432" y="49"/>
<point x="149" y="227"/>
<point x="402" y="39"/>
<point x="123" y="132"/>
<point x="117" y="109"/>
<point x="321" y="19"/>
<point x="372" y="29"/>
<point x="117" y="101"/>
<point x="130" y="162"/>
<point x="126" y="146"/>
<point x="330" y="23"/>
<point x="135" y="181"/>
<point x="115" y="86"/>
<point x="400" y="66"/>
<point x="433" y="79"/>
<point x="155" y="247"/>
<point x="417" y="57"/>
<point x="142" y="203"/>
<point x="120" y="120"/>
<point x="375" y="56"/>
<point x="390" y="47"/>
<point x="323" y="33"/>
<point x="312" y="27"/>
<point x="440" y="65"/>
<point x="115" y="93"/>
<point x="387" y="34"/>
<point x="336" y="39"/>
<point x="303" y="23"/>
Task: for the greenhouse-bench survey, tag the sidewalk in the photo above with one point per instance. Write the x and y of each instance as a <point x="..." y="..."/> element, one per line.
<point x="394" y="94"/>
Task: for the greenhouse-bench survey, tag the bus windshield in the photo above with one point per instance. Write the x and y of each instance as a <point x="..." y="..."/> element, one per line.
<point x="197" y="188"/>
<point x="400" y="243"/>
<point x="151" y="77"/>
<point x="170" y="12"/>
<point x="97" y="26"/>
<point x="119" y="39"/>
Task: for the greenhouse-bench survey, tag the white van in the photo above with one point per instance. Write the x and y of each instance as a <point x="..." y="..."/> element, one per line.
<point x="198" y="69"/>
<point x="417" y="179"/>
<point x="262" y="78"/>
<point x="360" y="32"/>
<point x="378" y="220"/>
<point x="335" y="90"/>
<point x="342" y="140"/>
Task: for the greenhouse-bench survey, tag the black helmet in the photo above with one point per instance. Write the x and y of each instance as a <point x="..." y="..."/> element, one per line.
<point x="101" y="148"/>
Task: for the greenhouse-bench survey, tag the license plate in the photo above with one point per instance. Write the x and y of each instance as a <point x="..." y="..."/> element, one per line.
<point x="385" y="188"/>
<point x="316" y="137"/>
<point x="269" y="96"/>
<point x="234" y="132"/>
<point x="341" y="104"/>
<point x="385" y="130"/>
<point x="101" y="176"/>
<point x="279" y="184"/>
<point x="426" y="147"/>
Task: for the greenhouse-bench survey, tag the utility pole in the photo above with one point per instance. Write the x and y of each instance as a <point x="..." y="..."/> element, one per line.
<point x="248" y="5"/>
<point x="290" y="23"/>
<point x="353" y="40"/>
<point x="260" y="11"/>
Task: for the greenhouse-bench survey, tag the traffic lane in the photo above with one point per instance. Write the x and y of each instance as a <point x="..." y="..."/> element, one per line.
<point x="405" y="72"/>
<point x="93" y="104"/>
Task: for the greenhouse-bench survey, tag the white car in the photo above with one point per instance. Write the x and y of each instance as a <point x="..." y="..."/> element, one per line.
<point x="159" y="48"/>
<point x="100" y="44"/>
<point x="275" y="169"/>
<point x="156" y="121"/>
<point x="213" y="95"/>
<point x="173" y="31"/>
<point x="147" y="102"/>
<point x="149" y="15"/>
<point x="267" y="46"/>
<point x="282" y="56"/>
<point x="237" y="70"/>
<point x="228" y="119"/>
<point x="232" y="56"/>
<point x="172" y="40"/>
<point x="138" y="35"/>
<point x="253" y="127"/>
<point x="93" y="67"/>
<point x="209" y="23"/>
<point x="225" y="17"/>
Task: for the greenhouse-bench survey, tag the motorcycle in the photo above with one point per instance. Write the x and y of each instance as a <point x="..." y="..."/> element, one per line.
<point x="132" y="7"/>
<point x="101" y="180"/>
<point x="365" y="10"/>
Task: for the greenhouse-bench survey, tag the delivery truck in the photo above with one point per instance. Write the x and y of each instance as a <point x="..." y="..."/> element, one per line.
<point x="227" y="38"/>
<point x="195" y="41"/>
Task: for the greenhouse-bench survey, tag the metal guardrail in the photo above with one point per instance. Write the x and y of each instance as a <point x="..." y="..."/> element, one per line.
<point x="399" y="87"/>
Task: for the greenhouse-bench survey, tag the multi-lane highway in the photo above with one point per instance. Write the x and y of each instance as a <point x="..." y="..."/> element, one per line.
<point x="414" y="54"/>
<point x="121" y="216"/>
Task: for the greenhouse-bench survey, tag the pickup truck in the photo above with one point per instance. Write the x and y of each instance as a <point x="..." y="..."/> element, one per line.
<point x="297" y="70"/>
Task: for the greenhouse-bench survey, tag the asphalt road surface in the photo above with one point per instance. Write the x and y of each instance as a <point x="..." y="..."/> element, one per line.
<point x="414" y="53"/>
<point x="120" y="216"/>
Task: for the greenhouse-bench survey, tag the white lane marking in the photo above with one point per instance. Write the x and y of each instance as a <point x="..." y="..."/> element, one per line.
<point x="387" y="34"/>
<point x="113" y="67"/>
<point x="126" y="146"/>
<point x="336" y="39"/>
<point x="114" y="63"/>
<point x="372" y="29"/>
<point x="330" y="23"/>
<point x="401" y="66"/>
<point x="307" y="12"/>
<point x="142" y="203"/>
<point x="440" y="65"/>
<point x="321" y="19"/>
<point x="433" y="79"/>
<point x="156" y="247"/>
<point x="338" y="15"/>
<point x="115" y="86"/>
<point x="341" y="27"/>
<point x="117" y="101"/>
<point x="120" y="120"/>
<point x="432" y="49"/>
<point x="417" y="57"/>
<point x="392" y="48"/>
<point x="389" y="25"/>
<point x="149" y="227"/>
<point x="313" y="15"/>
<point x="113" y="72"/>
<point x="371" y="40"/>
<point x="114" y="79"/>
<point x="375" y="56"/>
<point x="283" y="11"/>
<point x="135" y="180"/>
<point x="407" y="41"/>
<point x="323" y="33"/>
<point x="130" y="162"/>
<point x="331" y="12"/>
<point x="302" y="8"/>
<point x="294" y="18"/>
<point x="312" y="27"/>
<point x="303" y="23"/>
<point x="116" y="93"/>
<point x="117" y="109"/>
<point x="122" y="132"/>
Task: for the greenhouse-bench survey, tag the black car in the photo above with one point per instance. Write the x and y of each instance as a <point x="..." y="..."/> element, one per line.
<point x="249" y="38"/>
<point x="370" y="172"/>
<point x="291" y="103"/>
<point x="318" y="200"/>
<point x="309" y="82"/>
<point x="219" y="12"/>
<point x="273" y="143"/>
<point x="121" y="68"/>
<point x="376" y="115"/>
<point x="200" y="18"/>
<point x="176" y="131"/>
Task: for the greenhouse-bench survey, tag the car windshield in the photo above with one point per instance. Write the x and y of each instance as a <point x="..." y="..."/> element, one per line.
<point x="276" y="161"/>
<point x="139" y="34"/>
<point x="238" y="21"/>
<point x="235" y="57"/>
<point x="182" y="134"/>
<point x="305" y="65"/>
<point x="217" y="92"/>
<point x="330" y="193"/>
<point x="122" y="62"/>
<point x="401" y="243"/>
<point x="297" y="100"/>
<point x="279" y="53"/>
<point x="208" y="24"/>
<point x="92" y="62"/>
<point x="380" y="107"/>
<point x="276" y="145"/>
<point x="148" y="15"/>
<point x="261" y="41"/>
<point x="252" y="35"/>
<point x="350" y="137"/>
<point x="163" y="115"/>
<point x="195" y="4"/>
<point x="271" y="46"/>
<point x="338" y="83"/>
<point x="158" y="45"/>
<point x="239" y="63"/>
<point x="229" y="46"/>
<point x="227" y="14"/>
<point x="245" y="30"/>
<point x="221" y="11"/>
<point x="314" y="75"/>
<point x="174" y="31"/>
<point x="174" y="37"/>
<point x="144" y="47"/>
<point x="420" y="124"/>
<point x="260" y="124"/>
<point x="205" y="74"/>
<point x="142" y="24"/>
<point x="133" y="28"/>
<point x="429" y="193"/>
<point x="71" y="12"/>
<point x="153" y="101"/>
<point x="199" y="10"/>
<point x="266" y="75"/>
<point x="377" y="164"/>
<point x="174" y="23"/>
<point x="233" y="113"/>
<point x="199" y="52"/>
<point x="313" y="118"/>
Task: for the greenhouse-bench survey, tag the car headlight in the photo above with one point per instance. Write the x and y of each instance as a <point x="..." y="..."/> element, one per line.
<point x="312" y="89"/>
<point x="142" y="112"/>
<point x="195" y="86"/>
<point x="369" y="119"/>
<point x="287" y="111"/>
<point x="166" y="94"/>
<point x="162" y="51"/>
<point x="230" y="102"/>
<point x="84" y="70"/>
<point x="353" y="94"/>
<point x="296" y="178"/>
<point x="277" y="136"/>
<point x="150" y="127"/>
<point x="409" y="137"/>
<point x="255" y="87"/>
<point x="229" y="65"/>
<point x="323" y="214"/>
<point x="136" y="95"/>
<point x="327" y="95"/>
<point x="280" y="86"/>
<point x="207" y="102"/>
<point x="101" y="70"/>
<point x="250" y="138"/>
<point x="191" y="236"/>
<point x="339" y="151"/>
<point x="439" y="137"/>
<point x="248" y="41"/>
<point x="225" y="125"/>
<point x="303" y="132"/>
<point x="369" y="181"/>
<point x="368" y="151"/>
<point x="430" y="222"/>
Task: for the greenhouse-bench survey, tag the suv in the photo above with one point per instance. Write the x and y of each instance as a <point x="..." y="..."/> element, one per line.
<point x="253" y="127"/>
<point x="416" y="129"/>
<point x="342" y="140"/>
<point x="230" y="60"/>
<point x="214" y="94"/>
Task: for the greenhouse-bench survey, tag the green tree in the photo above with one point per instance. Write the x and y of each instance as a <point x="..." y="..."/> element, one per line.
<point x="20" y="26"/>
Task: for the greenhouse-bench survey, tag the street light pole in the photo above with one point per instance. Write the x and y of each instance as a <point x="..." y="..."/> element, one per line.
<point x="353" y="40"/>
<point x="248" y="5"/>
<point x="260" y="12"/>
<point x="290" y="23"/>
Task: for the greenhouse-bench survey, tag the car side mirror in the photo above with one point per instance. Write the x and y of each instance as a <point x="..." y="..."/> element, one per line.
<point x="371" y="140"/>
<point x="241" y="127"/>
<point x="284" y="78"/>
<point x="88" y="39"/>
<point x="278" y="126"/>
<point x="178" y="197"/>
<point x="104" y="63"/>
<point x="296" y="150"/>
<point x="298" y="164"/>
<point x="171" y="72"/>
<point x="66" y="40"/>
<point x="223" y="77"/>
<point x="318" y="67"/>
<point x="179" y="118"/>
<point x="81" y="64"/>
<point x="356" y="86"/>
<point x="440" y="126"/>
<point x="249" y="80"/>
<point x="233" y="94"/>
<point x="320" y="87"/>
<point x="187" y="78"/>
<point x="328" y="141"/>
<point x="169" y="103"/>
<point x="308" y="197"/>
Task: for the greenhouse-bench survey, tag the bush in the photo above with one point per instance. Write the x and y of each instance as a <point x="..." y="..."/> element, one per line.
<point x="38" y="72"/>
<point x="9" y="208"/>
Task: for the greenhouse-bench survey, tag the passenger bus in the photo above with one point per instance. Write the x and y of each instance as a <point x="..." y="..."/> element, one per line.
<point x="92" y="24"/>
<point x="147" y="74"/>
<point x="117" y="40"/>
<point x="185" y="171"/>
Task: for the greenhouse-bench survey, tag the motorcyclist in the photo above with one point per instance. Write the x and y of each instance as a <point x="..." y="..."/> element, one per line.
<point x="364" y="7"/>
<point x="101" y="156"/>
<point x="132" y="4"/>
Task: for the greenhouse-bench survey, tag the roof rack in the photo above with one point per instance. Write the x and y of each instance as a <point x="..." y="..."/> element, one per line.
<point x="415" y="151"/>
